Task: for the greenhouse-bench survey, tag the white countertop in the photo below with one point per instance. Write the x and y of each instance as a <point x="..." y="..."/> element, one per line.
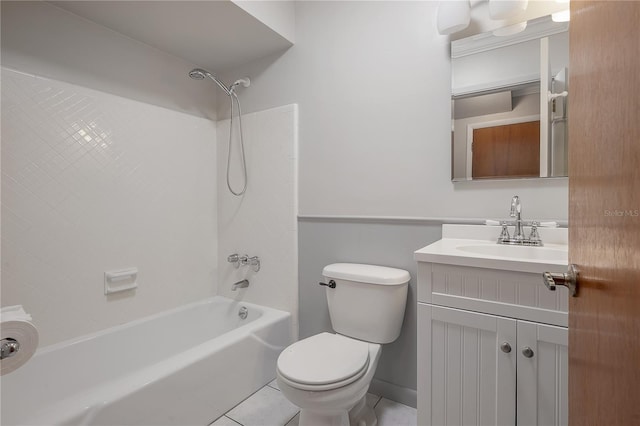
<point x="475" y="245"/>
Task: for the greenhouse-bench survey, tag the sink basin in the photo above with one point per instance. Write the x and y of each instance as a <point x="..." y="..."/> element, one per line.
<point x="475" y="246"/>
<point x="517" y="252"/>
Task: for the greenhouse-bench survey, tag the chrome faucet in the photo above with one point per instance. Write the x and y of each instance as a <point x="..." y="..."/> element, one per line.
<point x="518" y="233"/>
<point x="516" y="211"/>
<point x="240" y="284"/>
<point x="245" y="260"/>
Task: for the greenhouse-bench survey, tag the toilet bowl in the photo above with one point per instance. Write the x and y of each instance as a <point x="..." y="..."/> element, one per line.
<point x="328" y="375"/>
<point x="328" y="393"/>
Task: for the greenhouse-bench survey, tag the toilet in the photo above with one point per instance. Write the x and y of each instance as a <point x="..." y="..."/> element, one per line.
<point x="328" y="375"/>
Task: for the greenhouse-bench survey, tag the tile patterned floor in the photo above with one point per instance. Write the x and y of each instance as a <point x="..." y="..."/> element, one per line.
<point x="268" y="407"/>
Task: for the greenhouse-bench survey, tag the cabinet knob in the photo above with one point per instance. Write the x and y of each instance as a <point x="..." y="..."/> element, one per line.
<point x="505" y="347"/>
<point x="527" y="352"/>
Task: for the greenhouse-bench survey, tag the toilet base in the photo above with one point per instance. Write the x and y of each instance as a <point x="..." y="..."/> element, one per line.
<point x="311" y="418"/>
<point x="360" y="415"/>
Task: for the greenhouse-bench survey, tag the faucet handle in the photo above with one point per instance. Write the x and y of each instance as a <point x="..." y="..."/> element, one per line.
<point x="255" y="262"/>
<point x="504" y="235"/>
<point x="235" y="259"/>
<point x="534" y="236"/>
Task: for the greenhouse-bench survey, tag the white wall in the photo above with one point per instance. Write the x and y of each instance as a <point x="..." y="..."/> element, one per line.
<point x="44" y="40"/>
<point x="278" y="15"/>
<point x="262" y="222"/>
<point x="372" y="80"/>
<point x="93" y="182"/>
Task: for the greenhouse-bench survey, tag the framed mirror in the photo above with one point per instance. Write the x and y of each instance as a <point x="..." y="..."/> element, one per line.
<point x="509" y="103"/>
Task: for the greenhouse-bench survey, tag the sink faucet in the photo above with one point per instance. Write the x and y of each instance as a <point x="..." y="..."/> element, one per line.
<point x="516" y="211"/>
<point x="518" y="233"/>
<point x="240" y="284"/>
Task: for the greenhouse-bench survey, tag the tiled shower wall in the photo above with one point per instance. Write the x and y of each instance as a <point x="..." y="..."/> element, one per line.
<point x="263" y="222"/>
<point x="93" y="182"/>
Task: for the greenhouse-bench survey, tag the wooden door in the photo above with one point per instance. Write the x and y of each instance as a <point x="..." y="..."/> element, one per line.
<point x="464" y="377"/>
<point x="543" y="376"/>
<point x="507" y="151"/>
<point x="604" y="212"/>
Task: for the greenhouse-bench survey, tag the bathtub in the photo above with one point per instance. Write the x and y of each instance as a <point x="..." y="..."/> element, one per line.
<point x="186" y="366"/>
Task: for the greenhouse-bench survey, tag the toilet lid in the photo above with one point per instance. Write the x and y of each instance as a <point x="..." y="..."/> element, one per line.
<point x="324" y="359"/>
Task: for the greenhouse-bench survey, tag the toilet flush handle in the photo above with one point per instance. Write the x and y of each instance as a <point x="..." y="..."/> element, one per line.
<point x="332" y="284"/>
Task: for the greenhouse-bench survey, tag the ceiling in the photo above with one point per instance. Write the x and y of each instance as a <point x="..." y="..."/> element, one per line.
<point x="216" y="35"/>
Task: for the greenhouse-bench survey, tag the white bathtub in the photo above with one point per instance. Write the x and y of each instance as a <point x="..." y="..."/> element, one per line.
<point x="186" y="366"/>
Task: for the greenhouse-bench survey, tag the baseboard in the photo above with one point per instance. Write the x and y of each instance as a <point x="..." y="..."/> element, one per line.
<point x="393" y="392"/>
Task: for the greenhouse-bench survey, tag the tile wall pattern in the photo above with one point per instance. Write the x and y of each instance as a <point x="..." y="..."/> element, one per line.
<point x="93" y="182"/>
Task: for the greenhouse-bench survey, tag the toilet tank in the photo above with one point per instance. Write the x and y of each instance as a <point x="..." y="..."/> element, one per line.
<point x="368" y="301"/>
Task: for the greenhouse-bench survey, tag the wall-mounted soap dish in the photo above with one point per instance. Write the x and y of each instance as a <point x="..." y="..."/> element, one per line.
<point x="120" y="280"/>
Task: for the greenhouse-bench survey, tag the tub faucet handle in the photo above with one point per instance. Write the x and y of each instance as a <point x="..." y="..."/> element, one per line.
<point x="255" y="262"/>
<point x="235" y="259"/>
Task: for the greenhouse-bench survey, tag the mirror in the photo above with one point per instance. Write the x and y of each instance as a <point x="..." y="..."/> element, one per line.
<point x="509" y="103"/>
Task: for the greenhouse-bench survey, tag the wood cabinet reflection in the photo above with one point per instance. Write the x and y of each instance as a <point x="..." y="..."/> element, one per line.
<point x="507" y="151"/>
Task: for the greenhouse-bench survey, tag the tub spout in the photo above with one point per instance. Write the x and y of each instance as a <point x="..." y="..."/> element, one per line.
<point x="240" y="284"/>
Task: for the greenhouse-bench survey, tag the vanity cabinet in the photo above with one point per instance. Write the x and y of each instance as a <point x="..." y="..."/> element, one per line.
<point x="492" y="347"/>
<point x="463" y="377"/>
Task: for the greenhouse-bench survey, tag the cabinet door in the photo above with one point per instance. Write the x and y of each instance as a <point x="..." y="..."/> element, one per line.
<point x="464" y="378"/>
<point x="542" y="374"/>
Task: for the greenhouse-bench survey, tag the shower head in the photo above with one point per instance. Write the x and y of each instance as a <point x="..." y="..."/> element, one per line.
<point x="200" y="74"/>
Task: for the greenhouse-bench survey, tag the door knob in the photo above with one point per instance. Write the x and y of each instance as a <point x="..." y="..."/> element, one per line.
<point x="568" y="279"/>
<point x="505" y="347"/>
<point x="527" y="352"/>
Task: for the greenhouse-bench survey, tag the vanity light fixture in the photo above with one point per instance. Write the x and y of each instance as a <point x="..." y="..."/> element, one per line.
<point x="511" y="29"/>
<point x="504" y="9"/>
<point x="562" y="16"/>
<point x="453" y="16"/>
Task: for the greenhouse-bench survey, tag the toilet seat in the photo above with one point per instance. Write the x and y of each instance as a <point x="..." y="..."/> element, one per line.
<point x="323" y="362"/>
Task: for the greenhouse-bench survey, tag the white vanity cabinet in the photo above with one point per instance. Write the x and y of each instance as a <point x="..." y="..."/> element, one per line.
<point x="463" y="377"/>
<point x="492" y="343"/>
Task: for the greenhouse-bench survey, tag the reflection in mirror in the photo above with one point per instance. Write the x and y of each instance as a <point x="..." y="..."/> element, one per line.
<point x="509" y="104"/>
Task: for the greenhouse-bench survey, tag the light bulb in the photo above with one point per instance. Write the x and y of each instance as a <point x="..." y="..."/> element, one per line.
<point x="453" y="16"/>
<point x="563" y="16"/>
